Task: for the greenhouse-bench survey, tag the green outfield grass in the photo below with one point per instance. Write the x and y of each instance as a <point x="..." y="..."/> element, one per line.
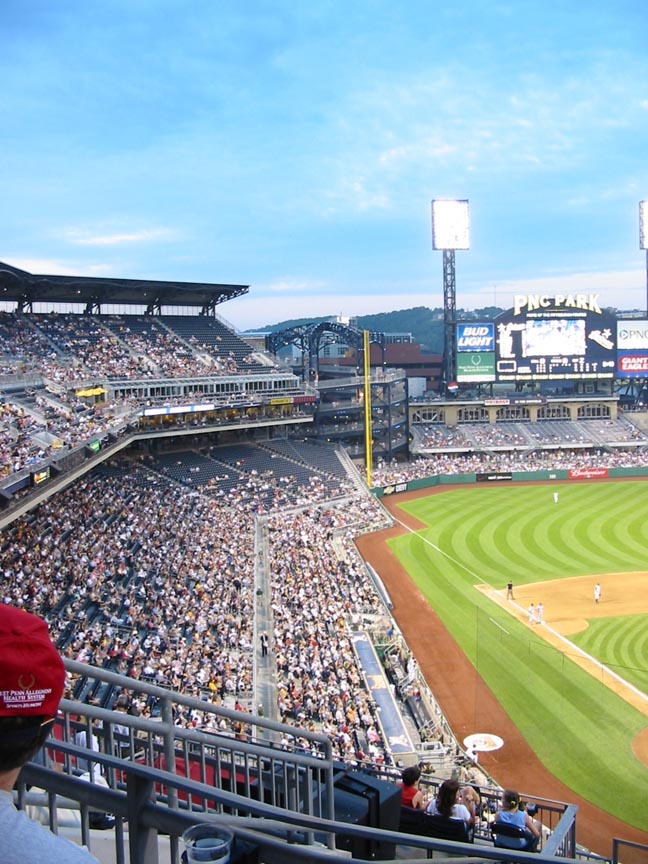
<point x="582" y="732"/>
<point x="621" y="644"/>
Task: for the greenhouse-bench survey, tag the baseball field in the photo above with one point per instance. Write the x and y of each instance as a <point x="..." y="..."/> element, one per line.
<point x="571" y="690"/>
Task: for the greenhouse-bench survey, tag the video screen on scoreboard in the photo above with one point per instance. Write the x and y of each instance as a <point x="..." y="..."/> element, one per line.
<point x="558" y="336"/>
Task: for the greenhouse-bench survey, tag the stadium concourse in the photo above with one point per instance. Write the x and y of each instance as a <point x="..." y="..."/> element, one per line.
<point x="458" y="687"/>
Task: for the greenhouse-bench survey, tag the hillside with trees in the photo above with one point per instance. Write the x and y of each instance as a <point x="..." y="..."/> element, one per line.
<point x="425" y="325"/>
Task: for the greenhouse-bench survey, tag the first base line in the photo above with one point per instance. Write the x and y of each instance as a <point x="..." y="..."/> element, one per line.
<point x="503" y="629"/>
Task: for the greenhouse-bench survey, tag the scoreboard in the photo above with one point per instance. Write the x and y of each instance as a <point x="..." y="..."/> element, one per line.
<point x="545" y="338"/>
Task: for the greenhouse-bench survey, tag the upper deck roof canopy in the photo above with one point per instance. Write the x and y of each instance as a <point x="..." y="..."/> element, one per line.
<point x="25" y="289"/>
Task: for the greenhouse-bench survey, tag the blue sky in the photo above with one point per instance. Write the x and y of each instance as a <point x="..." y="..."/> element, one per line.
<point x="296" y="147"/>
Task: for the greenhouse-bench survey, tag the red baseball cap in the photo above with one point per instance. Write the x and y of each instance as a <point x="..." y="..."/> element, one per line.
<point x="32" y="675"/>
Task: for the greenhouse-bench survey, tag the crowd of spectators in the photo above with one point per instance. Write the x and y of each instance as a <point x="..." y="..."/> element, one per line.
<point x="505" y="461"/>
<point x="317" y="594"/>
<point x="433" y="435"/>
<point x="18" y="444"/>
<point x="70" y="348"/>
<point x="139" y="575"/>
<point x="20" y="343"/>
<point x="515" y="434"/>
<point x="47" y="359"/>
<point x="45" y="425"/>
<point x="497" y="434"/>
<point x="147" y="578"/>
<point x="74" y="421"/>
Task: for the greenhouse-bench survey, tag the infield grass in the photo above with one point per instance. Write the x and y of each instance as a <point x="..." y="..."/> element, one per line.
<point x="487" y="534"/>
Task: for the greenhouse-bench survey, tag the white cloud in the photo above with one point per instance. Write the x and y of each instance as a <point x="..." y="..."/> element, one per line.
<point x="81" y="237"/>
<point x="56" y="267"/>
<point x="356" y="195"/>
<point x="290" y="286"/>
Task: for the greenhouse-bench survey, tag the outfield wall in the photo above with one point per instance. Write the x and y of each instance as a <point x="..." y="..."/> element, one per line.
<point x="510" y="476"/>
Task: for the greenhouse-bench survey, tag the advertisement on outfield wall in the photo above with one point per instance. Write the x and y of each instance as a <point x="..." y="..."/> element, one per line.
<point x="588" y="474"/>
<point x="555" y="338"/>
<point x="632" y="348"/>
<point x="392" y="488"/>
<point x="475" y="352"/>
<point x="493" y="478"/>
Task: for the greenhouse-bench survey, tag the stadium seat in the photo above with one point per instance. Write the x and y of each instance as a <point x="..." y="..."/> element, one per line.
<point x="509" y="837"/>
<point x="424" y="824"/>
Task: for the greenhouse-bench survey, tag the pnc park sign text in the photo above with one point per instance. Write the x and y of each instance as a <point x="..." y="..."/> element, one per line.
<point x="532" y="302"/>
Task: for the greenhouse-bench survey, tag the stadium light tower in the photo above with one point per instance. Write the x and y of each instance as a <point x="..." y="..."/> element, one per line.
<point x="450" y="231"/>
<point x="643" y="239"/>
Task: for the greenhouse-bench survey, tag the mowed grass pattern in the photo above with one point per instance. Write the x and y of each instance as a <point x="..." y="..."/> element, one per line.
<point x="621" y="644"/>
<point x="582" y="732"/>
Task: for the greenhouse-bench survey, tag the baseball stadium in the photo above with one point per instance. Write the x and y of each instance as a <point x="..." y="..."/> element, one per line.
<point x="278" y="582"/>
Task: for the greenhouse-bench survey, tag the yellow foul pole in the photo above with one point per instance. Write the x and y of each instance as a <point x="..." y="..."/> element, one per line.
<point x="367" y="395"/>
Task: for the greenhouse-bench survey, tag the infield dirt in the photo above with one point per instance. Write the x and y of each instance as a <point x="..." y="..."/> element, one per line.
<point x="467" y="702"/>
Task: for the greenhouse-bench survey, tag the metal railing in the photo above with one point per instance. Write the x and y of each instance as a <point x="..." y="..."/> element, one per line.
<point x="141" y="819"/>
<point x="188" y="736"/>
<point x="155" y="778"/>
<point x="628" y="852"/>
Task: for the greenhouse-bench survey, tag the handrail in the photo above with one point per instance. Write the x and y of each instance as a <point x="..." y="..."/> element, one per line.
<point x="622" y="848"/>
<point x="271" y="830"/>
<point x="251" y="764"/>
<point x="294" y="789"/>
<point x="163" y="694"/>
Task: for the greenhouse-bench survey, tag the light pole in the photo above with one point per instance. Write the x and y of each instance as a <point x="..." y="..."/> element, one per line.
<point x="450" y="231"/>
<point x="643" y="239"/>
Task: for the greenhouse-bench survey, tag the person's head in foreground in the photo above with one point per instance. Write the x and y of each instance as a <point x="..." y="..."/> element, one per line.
<point x="32" y="679"/>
